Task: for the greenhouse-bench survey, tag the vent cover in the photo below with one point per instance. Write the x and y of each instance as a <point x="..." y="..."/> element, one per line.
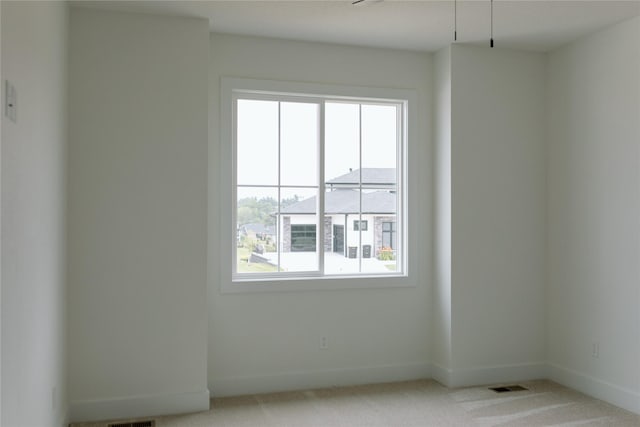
<point x="508" y="388"/>
<point x="146" y="423"/>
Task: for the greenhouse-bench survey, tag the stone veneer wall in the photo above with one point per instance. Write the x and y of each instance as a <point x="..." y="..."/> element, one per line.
<point x="328" y="234"/>
<point x="286" y="234"/>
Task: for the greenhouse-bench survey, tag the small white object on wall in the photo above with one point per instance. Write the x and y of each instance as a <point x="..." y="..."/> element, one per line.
<point x="11" y="102"/>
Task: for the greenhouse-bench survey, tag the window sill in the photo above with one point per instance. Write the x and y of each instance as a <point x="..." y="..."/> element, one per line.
<point x="325" y="283"/>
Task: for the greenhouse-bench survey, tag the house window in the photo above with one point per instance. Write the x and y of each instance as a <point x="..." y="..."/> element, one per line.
<point x="305" y="167"/>
<point x="388" y="235"/>
<point x="360" y="225"/>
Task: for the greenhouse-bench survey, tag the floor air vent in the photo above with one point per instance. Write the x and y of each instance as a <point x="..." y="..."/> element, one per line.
<point x="148" y="423"/>
<point x="507" y="388"/>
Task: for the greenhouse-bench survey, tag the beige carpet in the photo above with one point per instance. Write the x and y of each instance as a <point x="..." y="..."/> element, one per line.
<point x="413" y="403"/>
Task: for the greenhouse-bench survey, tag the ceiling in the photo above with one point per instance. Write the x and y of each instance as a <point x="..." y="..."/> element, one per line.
<point x="421" y="25"/>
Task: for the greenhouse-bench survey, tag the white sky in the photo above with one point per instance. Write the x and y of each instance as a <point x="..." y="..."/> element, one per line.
<point x="299" y="127"/>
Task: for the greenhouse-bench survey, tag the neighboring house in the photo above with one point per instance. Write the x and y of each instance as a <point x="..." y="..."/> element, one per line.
<point x="343" y="225"/>
<point x="258" y="231"/>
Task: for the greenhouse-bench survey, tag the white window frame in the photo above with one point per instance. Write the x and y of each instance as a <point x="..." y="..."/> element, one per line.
<point x="231" y="89"/>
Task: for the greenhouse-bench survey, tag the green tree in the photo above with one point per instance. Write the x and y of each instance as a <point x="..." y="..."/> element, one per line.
<point x="252" y="210"/>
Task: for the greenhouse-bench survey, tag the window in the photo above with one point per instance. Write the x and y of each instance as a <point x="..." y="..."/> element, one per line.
<point x="316" y="182"/>
<point x="360" y="225"/>
<point x="388" y="234"/>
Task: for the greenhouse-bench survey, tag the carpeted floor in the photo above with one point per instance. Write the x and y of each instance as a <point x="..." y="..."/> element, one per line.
<point x="412" y="403"/>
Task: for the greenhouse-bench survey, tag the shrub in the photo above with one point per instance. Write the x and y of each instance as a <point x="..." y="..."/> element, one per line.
<point x="386" y="254"/>
<point x="248" y="242"/>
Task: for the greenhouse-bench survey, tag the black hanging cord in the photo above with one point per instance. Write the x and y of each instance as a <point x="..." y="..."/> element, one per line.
<point x="491" y="23"/>
<point x="455" y="20"/>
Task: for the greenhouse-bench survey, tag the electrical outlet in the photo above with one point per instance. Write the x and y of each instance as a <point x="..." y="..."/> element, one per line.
<point x="324" y="343"/>
<point x="595" y="350"/>
<point x="10" y="101"/>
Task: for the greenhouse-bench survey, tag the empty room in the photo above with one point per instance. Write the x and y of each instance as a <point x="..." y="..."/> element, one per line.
<point x="320" y="213"/>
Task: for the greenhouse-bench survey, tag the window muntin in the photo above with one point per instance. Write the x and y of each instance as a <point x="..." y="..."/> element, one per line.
<point x="338" y="160"/>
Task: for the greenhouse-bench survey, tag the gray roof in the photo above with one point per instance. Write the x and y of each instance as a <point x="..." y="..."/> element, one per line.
<point x="370" y="176"/>
<point x="346" y="201"/>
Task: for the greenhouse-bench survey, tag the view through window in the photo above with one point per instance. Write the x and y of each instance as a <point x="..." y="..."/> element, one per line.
<point x="317" y="186"/>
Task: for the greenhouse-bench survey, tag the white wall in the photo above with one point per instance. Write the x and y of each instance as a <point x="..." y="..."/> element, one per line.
<point x="358" y="239"/>
<point x="594" y="206"/>
<point x="266" y="341"/>
<point x="137" y="214"/>
<point x="441" y="307"/>
<point x="497" y="190"/>
<point x="34" y="59"/>
<point x="2" y="100"/>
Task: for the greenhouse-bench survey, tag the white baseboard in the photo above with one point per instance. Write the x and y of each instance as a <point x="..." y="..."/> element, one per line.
<point x="139" y="406"/>
<point x="154" y="405"/>
<point x="616" y="395"/>
<point x="488" y="374"/>
<point x="497" y="374"/>
<point x="234" y="386"/>
<point x="441" y="374"/>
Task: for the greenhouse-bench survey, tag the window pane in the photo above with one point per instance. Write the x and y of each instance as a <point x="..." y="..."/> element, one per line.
<point x="256" y="230"/>
<point x="298" y="229"/>
<point x="257" y="142"/>
<point x="342" y="143"/>
<point x="379" y="161"/>
<point x="379" y="136"/>
<point x="299" y="143"/>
